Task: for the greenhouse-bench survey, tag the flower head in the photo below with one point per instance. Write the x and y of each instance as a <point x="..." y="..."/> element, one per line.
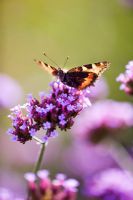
<point x="75" y="159"/>
<point x="58" y="109"/>
<point x="104" y="118"/>
<point x="110" y="184"/>
<point x="127" y="3"/>
<point x="6" y="194"/>
<point x="100" y="91"/>
<point x="126" y="79"/>
<point x="60" y="188"/>
<point x="10" y="91"/>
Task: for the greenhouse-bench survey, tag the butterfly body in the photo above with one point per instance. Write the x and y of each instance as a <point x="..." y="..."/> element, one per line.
<point x="73" y="79"/>
<point x="78" y="77"/>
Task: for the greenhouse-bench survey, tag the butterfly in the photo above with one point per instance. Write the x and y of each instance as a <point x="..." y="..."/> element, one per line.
<point x="78" y="77"/>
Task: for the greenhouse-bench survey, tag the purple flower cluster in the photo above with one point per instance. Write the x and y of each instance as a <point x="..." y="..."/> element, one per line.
<point x="57" y="109"/>
<point x="104" y="118"/>
<point x="112" y="184"/>
<point x="126" y="79"/>
<point x="42" y="187"/>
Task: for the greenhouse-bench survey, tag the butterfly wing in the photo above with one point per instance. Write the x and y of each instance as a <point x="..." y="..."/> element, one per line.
<point x="47" y="67"/>
<point x="87" y="74"/>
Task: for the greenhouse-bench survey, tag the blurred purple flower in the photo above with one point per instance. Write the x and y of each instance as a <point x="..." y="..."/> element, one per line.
<point x="99" y="91"/>
<point x="10" y="91"/>
<point x="127" y="3"/>
<point x="11" y="185"/>
<point x="59" y="108"/>
<point x="112" y="184"/>
<point x="104" y="118"/>
<point x="58" y="189"/>
<point x="6" y="194"/>
<point x="82" y="159"/>
<point x="126" y="79"/>
<point x="28" y="153"/>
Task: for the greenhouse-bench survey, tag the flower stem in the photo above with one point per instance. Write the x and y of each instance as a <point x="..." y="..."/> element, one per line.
<point x="37" y="140"/>
<point x="40" y="157"/>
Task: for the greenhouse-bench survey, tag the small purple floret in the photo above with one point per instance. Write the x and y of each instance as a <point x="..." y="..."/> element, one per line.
<point x="23" y="127"/>
<point x="61" y="117"/>
<point x="10" y="131"/>
<point x="32" y="132"/>
<point x="54" y="133"/>
<point x="70" y="107"/>
<point x="50" y="106"/>
<point x="47" y="125"/>
<point x="14" y="138"/>
<point x="62" y="122"/>
<point x="45" y="139"/>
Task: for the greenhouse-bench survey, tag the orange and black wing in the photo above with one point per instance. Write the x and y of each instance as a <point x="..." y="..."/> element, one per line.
<point x="87" y="74"/>
<point x="47" y="67"/>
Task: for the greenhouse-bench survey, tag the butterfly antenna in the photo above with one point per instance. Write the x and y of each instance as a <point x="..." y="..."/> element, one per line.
<point x="50" y="59"/>
<point x="66" y="61"/>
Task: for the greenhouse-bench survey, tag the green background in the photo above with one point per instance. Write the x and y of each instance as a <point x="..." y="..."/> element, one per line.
<point x="86" y="30"/>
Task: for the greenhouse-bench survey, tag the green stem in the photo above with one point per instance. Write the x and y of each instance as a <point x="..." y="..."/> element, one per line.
<point x="38" y="140"/>
<point x="40" y="157"/>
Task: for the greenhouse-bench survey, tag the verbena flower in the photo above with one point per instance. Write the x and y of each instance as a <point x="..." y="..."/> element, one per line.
<point x="104" y="118"/>
<point x="6" y="194"/>
<point x="42" y="187"/>
<point x="99" y="91"/>
<point x="127" y="3"/>
<point x="57" y="109"/>
<point x="112" y="184"/>
<point x="126" y="79"/>
<point x="76" y="157"/>
<point x="10" y="91"/>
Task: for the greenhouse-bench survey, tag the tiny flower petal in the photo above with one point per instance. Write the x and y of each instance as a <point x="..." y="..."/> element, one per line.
<point x="32" y="132"/>
<point x="23" y="127"/>
<point x="61" y="117"/>
<point x="14" y="138"/>
<point x="71" y="183"/>
<point x="61" y="176"/>
<point x="54" y="133"/>
<point x="50" y="106"/>
<point x="10" y="131"/>
<point x="43" y="174"/>
<point x="47" y="125"/>
<point x="30" y="177"/>
<point x="70" y="107"/>
<point x="63" y="122"/>
<point x="45" y="139"/>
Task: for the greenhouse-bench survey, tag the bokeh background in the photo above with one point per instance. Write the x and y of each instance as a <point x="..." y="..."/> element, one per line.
<point x="87" y="31"/>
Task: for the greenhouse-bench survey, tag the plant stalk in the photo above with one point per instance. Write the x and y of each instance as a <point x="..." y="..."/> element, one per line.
<point x="40" y="157"/>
